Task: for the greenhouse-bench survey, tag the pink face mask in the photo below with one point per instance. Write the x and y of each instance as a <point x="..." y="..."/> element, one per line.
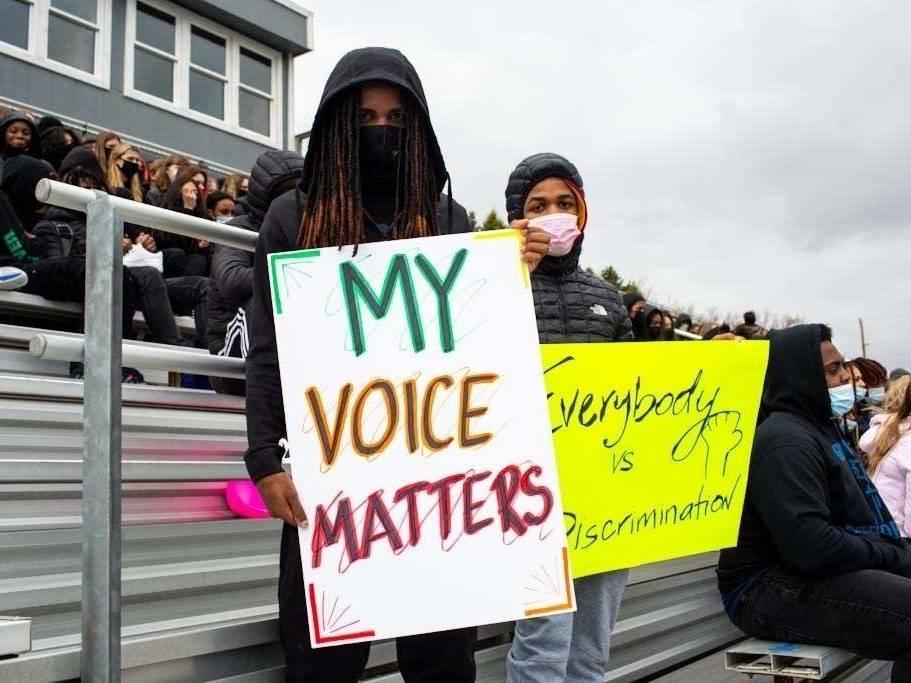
<point x="563" y="229"/>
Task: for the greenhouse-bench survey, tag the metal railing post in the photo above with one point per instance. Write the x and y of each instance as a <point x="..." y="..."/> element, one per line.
<point x="102" y="430"/>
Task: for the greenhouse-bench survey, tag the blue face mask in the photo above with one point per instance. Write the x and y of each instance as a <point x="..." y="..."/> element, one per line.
<point x="860" y="393"/>
<point x="842" y="399"/>
<point x="877" y="395"/>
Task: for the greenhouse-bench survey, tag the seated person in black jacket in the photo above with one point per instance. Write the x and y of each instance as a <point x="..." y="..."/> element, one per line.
<point x="55" y="259"/>
<point x="819" y="559"/>
<point x="231" y="285"/>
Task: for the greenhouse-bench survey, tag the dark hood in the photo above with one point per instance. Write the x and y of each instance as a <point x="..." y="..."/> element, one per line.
<point x="271" y="168"/>
<point x="378" y="64"/>
<point x="795" y="381"/>
<point x="35" y="148"/>
<point x="530" y="171"/>
<point x="20" y="176"/>
<point x="630" y="299"/>
<point x="81" y="157"/>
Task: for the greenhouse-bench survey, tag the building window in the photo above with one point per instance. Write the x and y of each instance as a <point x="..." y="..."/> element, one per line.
<point x="71" y="37"/>
<point x="154" y="53"/>
<point x="201" y="70"/>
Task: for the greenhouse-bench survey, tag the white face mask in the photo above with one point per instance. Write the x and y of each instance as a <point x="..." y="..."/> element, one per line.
<point x="876" y="395"/>
<point x="223" y="219"/>
<point x="842" y="399"/>
<point x="563" y="229"/>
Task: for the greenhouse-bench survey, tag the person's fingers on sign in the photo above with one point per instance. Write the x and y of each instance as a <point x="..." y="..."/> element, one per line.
<point x="280" y="496"/>
<point x="535" y="242"/>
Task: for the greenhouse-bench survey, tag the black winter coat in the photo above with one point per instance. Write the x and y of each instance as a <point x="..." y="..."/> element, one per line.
<point x="231" y="284"/>
<point x="573" y="306"/>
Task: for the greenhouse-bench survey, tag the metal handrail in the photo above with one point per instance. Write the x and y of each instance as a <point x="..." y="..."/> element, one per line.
<point x="103" y="351"/>
<point x="78" y="198"/>
<point x="65" y="348"/>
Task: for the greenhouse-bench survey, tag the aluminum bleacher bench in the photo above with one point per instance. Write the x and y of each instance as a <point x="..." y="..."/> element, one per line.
<point x="787" y="660"/>
<point x="37" y="307"/>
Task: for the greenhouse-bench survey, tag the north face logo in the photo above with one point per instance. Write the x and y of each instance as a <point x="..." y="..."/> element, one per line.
<point x="598" y="309"/>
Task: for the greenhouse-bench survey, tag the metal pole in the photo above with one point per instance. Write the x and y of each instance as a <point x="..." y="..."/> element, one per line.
<point x="863" y="338"/>
<point x="102" y="429"/>
<point x="133" y="354"/>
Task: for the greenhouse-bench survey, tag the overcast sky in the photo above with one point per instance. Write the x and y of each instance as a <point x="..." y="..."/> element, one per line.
<point x="735" y="154"/>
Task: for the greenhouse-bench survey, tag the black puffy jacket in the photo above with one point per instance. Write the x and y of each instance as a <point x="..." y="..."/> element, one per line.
<point x="231" y="284"/>
<point x="571" y="305"/>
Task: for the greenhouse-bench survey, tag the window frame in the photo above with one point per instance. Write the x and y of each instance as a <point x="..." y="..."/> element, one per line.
<point x="36" y="52"/>
<point x="184" y="20"/>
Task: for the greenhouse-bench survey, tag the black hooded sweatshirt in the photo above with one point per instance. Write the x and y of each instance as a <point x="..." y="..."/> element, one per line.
<point x="231" y="284"/>
<point x="571" y="305"/>
<point x="279" y="232"/>
<point x="810" y="507"/>
<point x="34" y="148"/>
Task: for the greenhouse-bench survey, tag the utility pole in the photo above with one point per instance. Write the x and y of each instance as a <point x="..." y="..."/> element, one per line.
<point x="863" y="338"/>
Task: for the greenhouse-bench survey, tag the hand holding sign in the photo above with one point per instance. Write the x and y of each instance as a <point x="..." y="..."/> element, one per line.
<point x="419" y="438"/>
<point x="280" y="496"/>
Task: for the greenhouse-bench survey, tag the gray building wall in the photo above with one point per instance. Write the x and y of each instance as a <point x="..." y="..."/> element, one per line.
<point x="110" y="110"/>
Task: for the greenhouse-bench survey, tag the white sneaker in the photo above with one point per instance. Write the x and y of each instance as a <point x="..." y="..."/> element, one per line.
<point x="12" y="278"/>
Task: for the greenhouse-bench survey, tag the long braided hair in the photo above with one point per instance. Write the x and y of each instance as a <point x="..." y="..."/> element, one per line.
<point x="334" y="213"/>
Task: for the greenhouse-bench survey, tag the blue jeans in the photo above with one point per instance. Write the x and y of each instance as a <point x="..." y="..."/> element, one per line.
<point x="574" y="647"/>
<point x="867" y="612"/>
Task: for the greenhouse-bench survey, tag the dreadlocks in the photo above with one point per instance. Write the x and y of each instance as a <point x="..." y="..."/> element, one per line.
<point x="334" y="212"/>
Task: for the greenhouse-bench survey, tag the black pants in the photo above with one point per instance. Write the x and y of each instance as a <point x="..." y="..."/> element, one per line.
<point x="178" y="263"/>
<point x="144" y="289"/>
<point x="867" y="612"/>
<point x="444" y="657"/>
<point x="188" y="297"/>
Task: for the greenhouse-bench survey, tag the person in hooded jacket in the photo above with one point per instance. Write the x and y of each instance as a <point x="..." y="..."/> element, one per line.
<point x="654" y="323"/>
<point x="571" y="306"/>
<point x="231" y="284"/>
<point x="373" y="172"/>
<point x="18" y="135"/>
<point x="819" y="558"/>
<point x="635" y="307"/>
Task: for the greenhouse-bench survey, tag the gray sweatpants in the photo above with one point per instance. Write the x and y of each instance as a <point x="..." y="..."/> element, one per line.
<point x="569" y="648"/>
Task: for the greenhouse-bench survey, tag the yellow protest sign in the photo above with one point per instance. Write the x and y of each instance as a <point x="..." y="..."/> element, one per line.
<point x="653" y="444"/>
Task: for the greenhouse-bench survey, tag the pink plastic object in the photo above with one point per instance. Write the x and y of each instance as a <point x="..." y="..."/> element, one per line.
<point x="244" y="500"/>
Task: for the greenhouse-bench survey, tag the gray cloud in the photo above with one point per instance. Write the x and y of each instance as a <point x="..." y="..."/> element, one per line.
<point x="735" y="154"/>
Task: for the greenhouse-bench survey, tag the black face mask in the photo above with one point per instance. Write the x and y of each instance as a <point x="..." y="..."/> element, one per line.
<point x="129" y="169"/>
<point x="379" y="150"/>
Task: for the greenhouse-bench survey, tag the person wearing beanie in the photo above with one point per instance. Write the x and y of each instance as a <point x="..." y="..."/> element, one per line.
<point x="571" y="306"/>
<point x="47" y="122"/>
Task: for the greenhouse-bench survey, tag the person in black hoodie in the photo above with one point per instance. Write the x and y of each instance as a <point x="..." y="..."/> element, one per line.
<point x="18" y="135"/>
<point x="571" y="306"/>
<point x="819" y="558"/>
<point x="635" y="306"/>
<point x="373" y="172"/>
<point x="231" y="284"/>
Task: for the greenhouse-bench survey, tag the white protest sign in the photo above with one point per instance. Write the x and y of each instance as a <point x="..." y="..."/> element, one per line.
<point x="420" y="439"/>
